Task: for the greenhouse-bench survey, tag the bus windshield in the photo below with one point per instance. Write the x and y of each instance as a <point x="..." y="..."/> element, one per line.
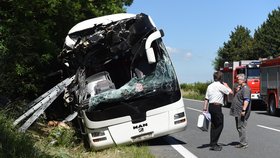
<point x="161" y="79"/>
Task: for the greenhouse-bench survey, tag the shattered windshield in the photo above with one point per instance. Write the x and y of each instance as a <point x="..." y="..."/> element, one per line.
<point x="115" y="64"/>
<point x="161" y="79"/>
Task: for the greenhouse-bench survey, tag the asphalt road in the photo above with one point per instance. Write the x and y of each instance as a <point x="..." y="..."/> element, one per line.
<point x="263" y="137"/>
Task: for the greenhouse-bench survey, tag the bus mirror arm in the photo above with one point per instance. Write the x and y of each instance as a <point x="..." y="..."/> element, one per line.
<point x="149" y="50"/>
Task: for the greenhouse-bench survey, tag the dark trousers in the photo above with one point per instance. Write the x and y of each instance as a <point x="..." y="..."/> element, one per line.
<point x="217" y="123"/>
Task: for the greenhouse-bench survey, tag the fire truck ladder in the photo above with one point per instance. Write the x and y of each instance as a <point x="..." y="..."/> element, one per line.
<point x="40" y="104"/>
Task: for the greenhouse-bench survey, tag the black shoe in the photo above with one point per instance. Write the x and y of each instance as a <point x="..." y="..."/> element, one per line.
<point x="242" y="146"/>
<point x="216" y="148"/>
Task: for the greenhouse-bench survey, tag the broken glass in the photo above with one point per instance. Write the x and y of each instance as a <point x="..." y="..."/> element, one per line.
<point x="118" y="48"/>
<point x="162" y="79"/>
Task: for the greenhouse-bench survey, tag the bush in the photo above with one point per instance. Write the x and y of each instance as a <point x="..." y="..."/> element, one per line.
<point x="194" y="90"/>
<point x="15" y="144"/>
<point x="201" y="87"/>
<point x="61" y="136"/>
<point x="191" y="94"/>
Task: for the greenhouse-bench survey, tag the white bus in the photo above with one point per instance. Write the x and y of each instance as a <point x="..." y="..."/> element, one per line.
<point x="125" y="82"/>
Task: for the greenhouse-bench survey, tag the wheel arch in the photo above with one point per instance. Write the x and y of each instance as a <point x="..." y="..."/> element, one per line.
<point x="273" y="93"/>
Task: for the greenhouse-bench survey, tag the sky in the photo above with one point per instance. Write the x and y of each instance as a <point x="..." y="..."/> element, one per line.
<point x="195" y="29"/>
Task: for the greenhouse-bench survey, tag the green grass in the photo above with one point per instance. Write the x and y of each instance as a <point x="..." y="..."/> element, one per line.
<point x="15" y="144"/>
<point x="190" y="94"/>
<point x="62" y="142"/>
<point x="131" y="151"/>
<point x="77" y="150"/>
<point x="41" y="141"/>
<point x="194" y="90"/>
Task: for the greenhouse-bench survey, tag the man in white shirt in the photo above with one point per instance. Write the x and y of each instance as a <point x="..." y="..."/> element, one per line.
<point x="215" y="98"/>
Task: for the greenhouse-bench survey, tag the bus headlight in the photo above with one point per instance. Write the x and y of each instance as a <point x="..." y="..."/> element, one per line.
<point x="179" y="118"/>
<point x="179" y="115"/>
<point x="98" y="134"/>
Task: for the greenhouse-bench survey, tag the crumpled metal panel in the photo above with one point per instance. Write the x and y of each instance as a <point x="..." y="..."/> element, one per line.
<point x="102" y="43"/>
<point x="116" y="43"/>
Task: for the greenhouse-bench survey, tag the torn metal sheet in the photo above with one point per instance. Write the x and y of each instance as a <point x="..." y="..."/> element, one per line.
<point x="131" y="53"/>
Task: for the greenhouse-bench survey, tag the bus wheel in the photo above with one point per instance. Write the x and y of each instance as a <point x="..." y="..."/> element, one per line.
<point x="271" y="106"/>
<point x="86" y="142"/>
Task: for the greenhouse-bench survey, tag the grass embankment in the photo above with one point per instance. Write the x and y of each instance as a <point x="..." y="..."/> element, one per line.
<point x="42" y="141"/>
<point x="194" y="90"/>
<point x="62" y="142"/>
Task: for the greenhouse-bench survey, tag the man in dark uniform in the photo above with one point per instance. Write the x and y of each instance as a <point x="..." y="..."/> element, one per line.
<point x="215" y="98"/>
<point x="240" y="109"/>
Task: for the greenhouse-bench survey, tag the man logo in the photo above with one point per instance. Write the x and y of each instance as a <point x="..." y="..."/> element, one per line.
<point x="141" y="129"/>
<point x="140" y="126"/>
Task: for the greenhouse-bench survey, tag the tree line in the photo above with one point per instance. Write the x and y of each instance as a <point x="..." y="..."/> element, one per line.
<point x="32" y="35"/>
<point x="264" y="43"/>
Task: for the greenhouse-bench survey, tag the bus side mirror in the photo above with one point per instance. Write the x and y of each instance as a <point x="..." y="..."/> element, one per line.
<point x="151" y="55"/>
<point x="149" y="50"/>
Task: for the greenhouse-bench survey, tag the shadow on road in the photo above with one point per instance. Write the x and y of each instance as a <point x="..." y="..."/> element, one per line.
<point x="258" y="105"/>
<point x="203" y="146"/>
<point x="165" y="140"/>
<point x="233" y="143"/>
<point x="221" y="144"/>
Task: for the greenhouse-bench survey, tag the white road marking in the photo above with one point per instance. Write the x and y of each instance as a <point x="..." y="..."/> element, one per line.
<point x="194" y="109"/>
<point x="183" y="151"/>
<point x="194" y="100"/>
<point x="277" y="130"/>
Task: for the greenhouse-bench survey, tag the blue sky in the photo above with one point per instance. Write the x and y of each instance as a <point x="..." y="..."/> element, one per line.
<point x="195" y="29"/>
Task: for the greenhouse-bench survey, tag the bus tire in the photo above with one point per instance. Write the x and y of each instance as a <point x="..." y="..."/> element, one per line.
<point x="272" y="106"/>
<point x="86" y="142"/>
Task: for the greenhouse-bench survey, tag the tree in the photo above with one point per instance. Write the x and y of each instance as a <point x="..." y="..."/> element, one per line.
<point x="32" y="34"/>
<point x="267" y="37"/>
<point x="239" y="47"/>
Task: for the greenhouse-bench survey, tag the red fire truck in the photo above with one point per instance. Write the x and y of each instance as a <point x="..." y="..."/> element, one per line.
<point x="251" y="70"/>
<point x="270" y="84"/>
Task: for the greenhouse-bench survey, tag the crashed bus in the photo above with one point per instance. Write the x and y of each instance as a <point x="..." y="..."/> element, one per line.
<point x="124" y="89"/>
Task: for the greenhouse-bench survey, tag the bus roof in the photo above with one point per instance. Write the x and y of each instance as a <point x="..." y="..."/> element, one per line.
<point x="99" y="20"/>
